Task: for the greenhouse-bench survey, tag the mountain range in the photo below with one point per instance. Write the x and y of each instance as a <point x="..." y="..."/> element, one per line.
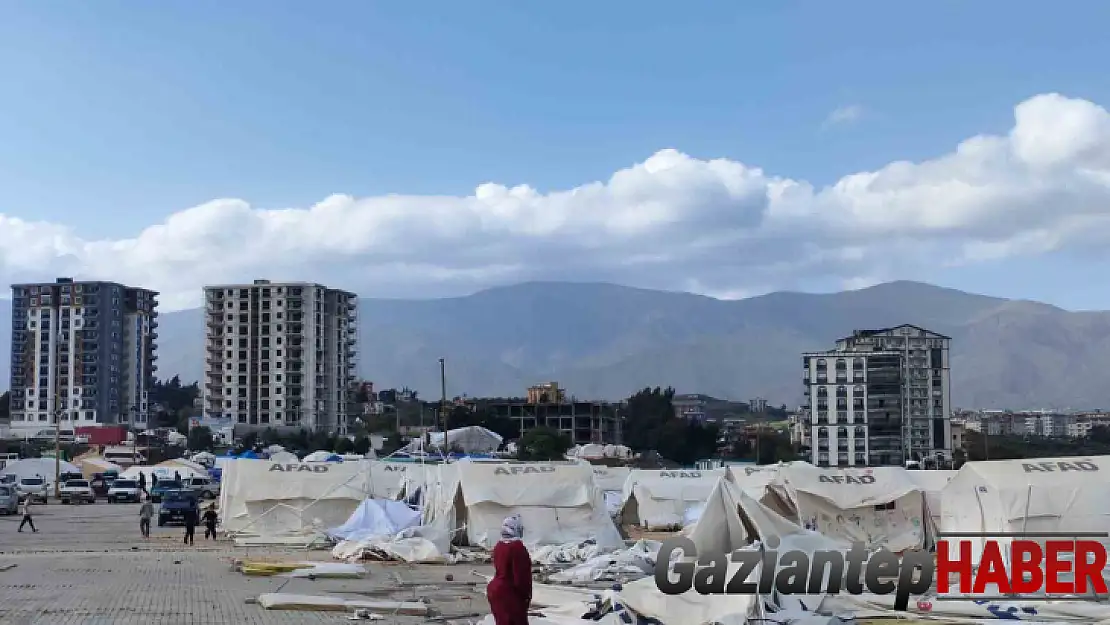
<point x="606" y="341"/>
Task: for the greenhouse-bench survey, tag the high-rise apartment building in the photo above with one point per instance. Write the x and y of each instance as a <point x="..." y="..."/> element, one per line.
<point x="881" y="397"/>
<point x="82" y="351"/>
<point x="280" y="355"/>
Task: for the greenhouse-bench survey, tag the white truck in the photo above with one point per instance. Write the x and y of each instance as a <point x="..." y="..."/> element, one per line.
<point x="77" y="491"/>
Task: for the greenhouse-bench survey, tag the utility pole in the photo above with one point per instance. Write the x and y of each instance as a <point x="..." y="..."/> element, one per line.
<point x="443" y="396"/>
<point x="986" y="441"/>
<point x="57" y="448"/>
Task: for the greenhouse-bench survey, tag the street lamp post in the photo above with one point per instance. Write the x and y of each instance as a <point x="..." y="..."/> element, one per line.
<point x="57" y="451"/>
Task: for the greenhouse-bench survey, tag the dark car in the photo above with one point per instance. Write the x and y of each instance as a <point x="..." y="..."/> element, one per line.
<point x="100" y="485"/>
<point x="175" y="503"/>
<point x="162" y="488"/>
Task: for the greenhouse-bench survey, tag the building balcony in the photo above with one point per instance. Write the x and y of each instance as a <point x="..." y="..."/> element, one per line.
<point x="214" y="362"/>
<point x="214" y="322"/>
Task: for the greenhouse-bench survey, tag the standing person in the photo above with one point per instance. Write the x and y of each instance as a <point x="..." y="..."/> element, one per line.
<point x="27" y="520"/>
<point x="153" y="481"/>
<point x="177" y="476"/>
<point x="190" y="525"/>
<point x="510" y="590"/>
<point x="210" y="519"/>
<point x="146" y="512"/>
<point x="142" y="482"/>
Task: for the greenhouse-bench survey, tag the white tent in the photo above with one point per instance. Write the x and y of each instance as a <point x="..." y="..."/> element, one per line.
<point x="558" y="503"/>
<point x="163" y="470"/>
<point x="187" y="468"/>
<point x="879" y="506"/>
<point x="288" y="500"/>
<point x="932" y="483"/>
<point x="611" y="482"/>
<point x="1029" y="495"/>
<point x="469" y="440"/>
<point x="321" y="456"/>
<point x="284" y="457"/>
<point x="659" y="499"/>
<point x="38" y="467"/>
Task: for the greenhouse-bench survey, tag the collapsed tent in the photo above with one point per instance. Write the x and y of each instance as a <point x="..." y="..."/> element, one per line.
<point x="1034" y="496"/>
<point x="288" y="500"/>
<point x="659" y="499"/>
<point x="472" y="439"/>
<point x="879" y="506"/>
<point x="558" y="504"/>
<point x="376" y="517"/>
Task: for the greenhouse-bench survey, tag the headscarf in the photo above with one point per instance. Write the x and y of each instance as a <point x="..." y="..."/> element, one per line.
<point x="512" y="528"/>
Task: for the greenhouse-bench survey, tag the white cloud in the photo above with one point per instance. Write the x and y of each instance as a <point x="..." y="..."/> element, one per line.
<point x="669" y="222"/>
<point x="844" y="115"/>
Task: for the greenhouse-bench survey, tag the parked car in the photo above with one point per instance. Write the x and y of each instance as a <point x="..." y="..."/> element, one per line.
<point x="33" y="488"/>
<point x="69" y="475"/>
<point x="9" y="499"/>
<point x="77" y="491"/>
<point x="175" y="503"/>
<point x="100" y="485"/>
<point x="203" y="487"/>
<point x="125" y="490"/>
<point x="162" y="488"/>
<point x="8" y="479"/>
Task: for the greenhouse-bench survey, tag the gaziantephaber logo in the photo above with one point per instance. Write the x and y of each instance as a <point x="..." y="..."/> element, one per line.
<point x="1065" y="565"/>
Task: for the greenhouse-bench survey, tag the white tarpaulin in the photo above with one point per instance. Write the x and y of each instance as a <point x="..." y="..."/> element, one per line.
<point x="658" y="500"/>
<point x="879" y="506"/>
<point x="161" y="472"/>
<point x="1031" y="495"/>
<point x="472" y="439"/>
<point x="273" y="499"/>
<point x="376" y="517"/>
<point x="558" y="504"/>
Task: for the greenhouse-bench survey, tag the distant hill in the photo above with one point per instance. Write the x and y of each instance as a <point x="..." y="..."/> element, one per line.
<point x="606" y="341"/>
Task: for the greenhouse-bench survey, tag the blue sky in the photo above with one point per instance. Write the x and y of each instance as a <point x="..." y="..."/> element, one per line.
<point x="117" y="114"/>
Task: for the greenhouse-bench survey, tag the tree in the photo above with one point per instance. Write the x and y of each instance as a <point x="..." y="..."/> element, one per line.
<point x="543" y="443"/>
<point x="344" y="445"/>
<point x="5" y="404"/>
<point x="249" y="442"/>
<point x="200" y="439"/>
<point x="392" y="443"/>
<point x="270" y="436"/>
<point x="362" y="445"/>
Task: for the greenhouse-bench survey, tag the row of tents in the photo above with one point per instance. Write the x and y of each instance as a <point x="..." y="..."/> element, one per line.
<point x="564" y="503"/>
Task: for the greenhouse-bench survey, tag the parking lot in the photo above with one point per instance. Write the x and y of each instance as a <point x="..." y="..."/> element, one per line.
<point x="89" y="564"/>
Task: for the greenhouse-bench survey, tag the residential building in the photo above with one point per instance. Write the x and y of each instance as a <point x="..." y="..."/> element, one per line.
<point x="690" y="407"/>
<point x="927" y="386"/>
<point x="84" y="351"/>
<point x="280" y="355"/>
<point x="854" y="408"/>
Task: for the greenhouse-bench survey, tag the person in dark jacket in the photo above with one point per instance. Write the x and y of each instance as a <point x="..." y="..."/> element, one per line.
<point x="142" y="482"/>
<point x="210" y="520"/>
<point x="510" y="590"/>
<point x="191" y="518"/>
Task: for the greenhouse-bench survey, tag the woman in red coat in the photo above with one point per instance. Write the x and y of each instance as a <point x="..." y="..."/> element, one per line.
<point x="510" y="590"/>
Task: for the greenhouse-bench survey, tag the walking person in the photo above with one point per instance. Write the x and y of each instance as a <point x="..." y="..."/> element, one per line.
<point x="190" y="525"/>
<point x="210" y="519"/>
<point x="146" y="512"/>
<point x="27" y="520"/>
<point x="510" y="590"/>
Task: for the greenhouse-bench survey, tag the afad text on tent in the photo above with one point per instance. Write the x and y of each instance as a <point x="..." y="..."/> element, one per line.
<point x="1058" y="568"/>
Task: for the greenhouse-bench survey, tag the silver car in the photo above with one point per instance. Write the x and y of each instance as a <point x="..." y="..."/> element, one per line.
<point x="33" y="488"/>
<point x="9" y="500"/>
